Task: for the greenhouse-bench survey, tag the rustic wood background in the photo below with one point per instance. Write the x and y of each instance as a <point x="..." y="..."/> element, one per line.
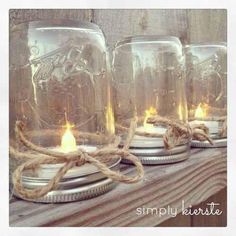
<point x="191" y="26"/>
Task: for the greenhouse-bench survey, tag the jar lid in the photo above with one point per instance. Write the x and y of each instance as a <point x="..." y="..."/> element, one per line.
<point x="76" y="194"/>
<point x="85" y="172"/>
<point x="156" y="160"/>
<point x="144" y="143"/>
<point x="206" y="144"/>
<point x="160" y="151"/>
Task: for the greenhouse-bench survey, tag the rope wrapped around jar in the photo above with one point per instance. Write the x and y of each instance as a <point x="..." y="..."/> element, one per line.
<point x="38" y="155"/>
<point x="177" y="132"/>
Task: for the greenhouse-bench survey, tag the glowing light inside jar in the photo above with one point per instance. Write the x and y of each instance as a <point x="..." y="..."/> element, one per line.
<point x="180" y="112"/>
<point x="110" y="119"/>
<point x="68" y="142"/>
<point x="201" y="111"/>
<point x="140" y="141"/>
<point x="149" y="113"/>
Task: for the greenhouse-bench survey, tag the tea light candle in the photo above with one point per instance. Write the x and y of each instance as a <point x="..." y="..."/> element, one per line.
<point x="148" y="142"/>
<point x="68" y="145"/>
<point x="213" y="126"/>
<point x="200" y="113"/>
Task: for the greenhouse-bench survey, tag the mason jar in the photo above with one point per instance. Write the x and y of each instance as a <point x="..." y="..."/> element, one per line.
<point x="206" y="73"/>
<point x="60" y="80"/>
<point x="149" y="80"/>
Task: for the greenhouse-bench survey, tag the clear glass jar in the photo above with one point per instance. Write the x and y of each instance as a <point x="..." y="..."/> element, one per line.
<point x="60" y="75"/>
<point x="148" y="80"/>
<point x="207" y="85"/>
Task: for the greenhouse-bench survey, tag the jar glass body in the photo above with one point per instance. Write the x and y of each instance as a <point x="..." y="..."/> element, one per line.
<point x="148" y="78"/>
<point x="207" y="85"/>
<point x="60" y="72"/>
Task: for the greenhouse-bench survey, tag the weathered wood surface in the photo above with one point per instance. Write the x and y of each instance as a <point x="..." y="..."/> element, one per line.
<point x="17" y="16"/>
<point x="213" y="221"/>
<point x="203" y="221"/>
<point x="117" y="24"/>
<point x="190" y="25"/>
<point x="192" y="181"/>
<point x="207" y="25"/>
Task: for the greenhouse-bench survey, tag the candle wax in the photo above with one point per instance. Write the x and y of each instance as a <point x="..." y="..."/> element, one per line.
<point x="212" y="125"/>
<point x="148" y="142"/>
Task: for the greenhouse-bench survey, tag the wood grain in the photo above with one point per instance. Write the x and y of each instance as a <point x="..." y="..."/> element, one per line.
<point x="207" y="25"/>
<point x="193" y="181"/>
<point x="179" y="221"/>
<point x="120" y="23"/>
<point x="213" y="220"/>
<point x="17" y="16"/>
<point x="190" y="25"/>
<point x="201" y="221"/>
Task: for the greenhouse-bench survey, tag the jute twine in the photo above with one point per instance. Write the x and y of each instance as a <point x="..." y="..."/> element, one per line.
<point x="39" y="155"/>
<point x="214" y="114"/>
<point x="223" y="130"/>
<point x="177" y="132"/>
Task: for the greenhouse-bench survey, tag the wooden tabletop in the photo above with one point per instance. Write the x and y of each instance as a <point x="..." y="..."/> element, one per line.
<point x="191" y="181"/>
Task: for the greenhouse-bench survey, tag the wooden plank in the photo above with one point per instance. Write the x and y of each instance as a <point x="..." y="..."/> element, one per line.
<point x="213" y="220"/>
<point x="179" y="221"/>
<point x="189" y="25"/>
<point x="193" y="181"/>
<point x="208" y="25"/>
<point x="203" y="221"/>
<point x="120" y="23"/>
<point x="17" y="16"/>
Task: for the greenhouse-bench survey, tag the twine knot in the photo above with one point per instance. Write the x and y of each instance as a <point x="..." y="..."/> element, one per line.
<point x="178" y="133"/>
<point x="40" y="155"/>
<point x="80" y="159"/>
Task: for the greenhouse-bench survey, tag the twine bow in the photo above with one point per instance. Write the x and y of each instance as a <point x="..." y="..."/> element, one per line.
<point x="97" y="158"/>
<point x="177" y="133"/>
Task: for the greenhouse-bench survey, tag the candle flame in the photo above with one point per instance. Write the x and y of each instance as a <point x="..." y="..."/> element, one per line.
<point x="68" y="142"/>
<point x="201" y="111"/>
<point x="149" y="113"/>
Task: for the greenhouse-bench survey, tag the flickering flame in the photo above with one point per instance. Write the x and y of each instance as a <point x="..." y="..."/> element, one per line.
<point x="68" y="142"/>
<point x="149" y="113"/>
<point x="201" y="111"/>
